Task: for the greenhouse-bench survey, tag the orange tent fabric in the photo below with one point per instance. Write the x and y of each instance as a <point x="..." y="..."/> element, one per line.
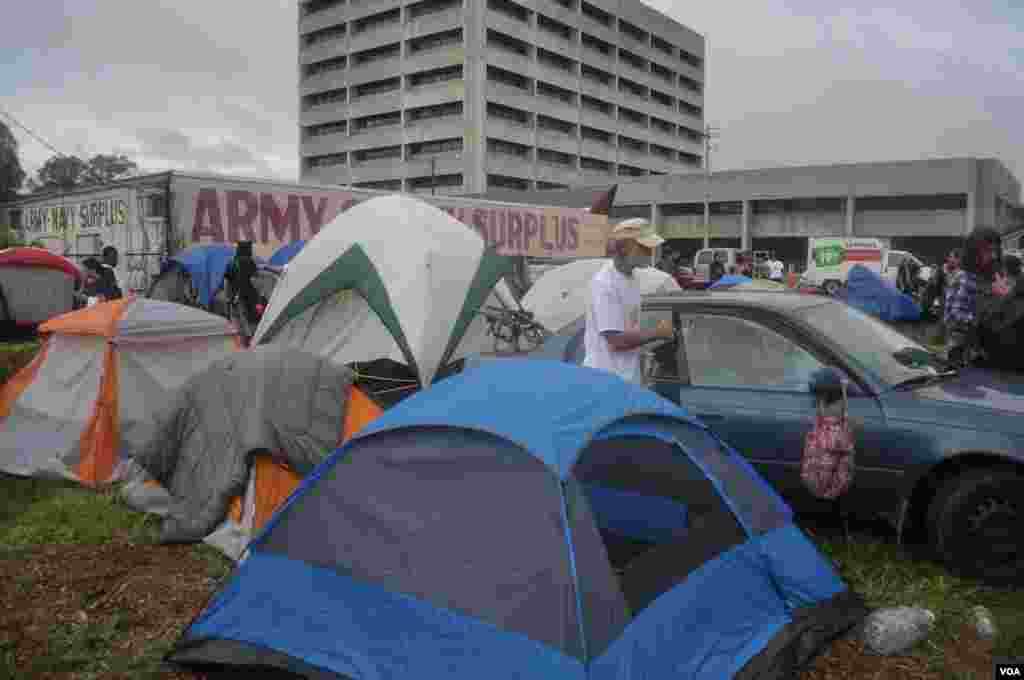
<point x="100" y="319"/>
<point x="102" y="436"/>
<point x="275" y="482"/>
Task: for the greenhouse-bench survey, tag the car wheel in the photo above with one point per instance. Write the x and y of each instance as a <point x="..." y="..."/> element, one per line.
<point x="976" y="523"/>
<point x="832" y="287"/>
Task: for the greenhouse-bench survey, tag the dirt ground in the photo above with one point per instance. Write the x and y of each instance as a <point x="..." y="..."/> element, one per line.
<point x="967" y="657"/>
<point x="107" y="611"/>
<point x="111" y="611"/>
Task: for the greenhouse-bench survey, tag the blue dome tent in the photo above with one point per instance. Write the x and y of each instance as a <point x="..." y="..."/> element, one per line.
<point x="730" y="280"/>
<point x="285" y="253"/>
<point x="485" y="528"/>
<point x="206" y="266"/>
<point x="870" y="293"/>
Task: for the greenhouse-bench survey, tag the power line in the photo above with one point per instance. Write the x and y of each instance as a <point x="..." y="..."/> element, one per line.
<point x="31" y="133"/>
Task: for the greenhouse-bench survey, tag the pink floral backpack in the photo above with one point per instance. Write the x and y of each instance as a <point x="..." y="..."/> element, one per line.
<point x="827" y="466"/>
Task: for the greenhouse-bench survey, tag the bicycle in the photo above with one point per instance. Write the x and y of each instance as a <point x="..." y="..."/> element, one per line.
<point x="512" y="327"/>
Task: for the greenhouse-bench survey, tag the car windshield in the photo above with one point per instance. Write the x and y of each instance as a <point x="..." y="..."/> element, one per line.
<point x="876" y="347"/>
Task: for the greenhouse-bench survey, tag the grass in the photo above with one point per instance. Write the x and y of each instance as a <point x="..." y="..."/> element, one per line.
<point x="14" y="355"/>
<point x="887" y="575"/>
<point x="86" y="649"/>
<point x="42" y="512"/>
<point x="34" y="512"/>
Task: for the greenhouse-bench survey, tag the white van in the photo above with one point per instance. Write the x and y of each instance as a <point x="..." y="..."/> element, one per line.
<point x="729" y="257"/>
<point x="829" y="260"/>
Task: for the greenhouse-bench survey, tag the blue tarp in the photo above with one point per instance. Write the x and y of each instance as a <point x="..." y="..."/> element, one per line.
<point x="286" y="252"/>
<point x="730" y="280"/>
<point x="870" y="293"/>
<point x="206" y="265"/>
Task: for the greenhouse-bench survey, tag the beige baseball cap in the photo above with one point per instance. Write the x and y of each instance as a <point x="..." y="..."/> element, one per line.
<point x="637" y="229"/>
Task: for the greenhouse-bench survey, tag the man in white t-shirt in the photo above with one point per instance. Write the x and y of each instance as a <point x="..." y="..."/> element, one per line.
<point x="613" y="336"/>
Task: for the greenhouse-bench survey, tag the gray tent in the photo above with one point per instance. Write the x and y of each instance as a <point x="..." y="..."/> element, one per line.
<point x="273" y="401"/>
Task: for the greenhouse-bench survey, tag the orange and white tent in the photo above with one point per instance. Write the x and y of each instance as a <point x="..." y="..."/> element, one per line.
<point x="97" y="381"/>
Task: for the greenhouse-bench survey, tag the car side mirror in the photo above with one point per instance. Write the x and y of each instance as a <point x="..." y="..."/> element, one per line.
<point x="827" y="383"/>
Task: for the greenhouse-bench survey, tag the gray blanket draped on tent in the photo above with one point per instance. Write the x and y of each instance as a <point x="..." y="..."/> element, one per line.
<point x="269" y="400"/>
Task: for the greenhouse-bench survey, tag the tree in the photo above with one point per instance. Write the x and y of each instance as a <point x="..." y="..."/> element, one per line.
<point x="8" y="237"/>
<point x="107" y="168"/>
<point x="60" y="173"/>
<point x="64" y="173"/>
<point x="11" y="174"/>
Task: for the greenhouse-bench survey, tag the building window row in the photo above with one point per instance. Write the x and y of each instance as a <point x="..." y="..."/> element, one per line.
<point x="436" y="149"/>
<point x="503" y="41"/>
<point x="378" y="87"/>
<point x="627" y="30"/>
<point x="375" y="21"/>
<point x="329" y="34"/>
<point x="325" y="66"/>
<point x="333" y="128"/>
<point x="372" y="122"/>
<point x="383" y="86"/>
<point x="504" y="147"/>
<point x="388" y="17"/>
<point x="317" y="6"/>
<point x="428" y="7"/>
<point x="424" y="43"/>
<point x="520" y="82"/>
<point x="374" y="54"/>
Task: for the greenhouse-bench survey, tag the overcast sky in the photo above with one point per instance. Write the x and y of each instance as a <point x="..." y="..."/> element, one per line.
<point x="211" y="84"/>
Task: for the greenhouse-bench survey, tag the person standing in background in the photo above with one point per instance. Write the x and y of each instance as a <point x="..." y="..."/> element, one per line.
<point x="613" y="336"/>
<point x="975" y="292"/>
<point x="776" y="269"/>
<point x="110" y="259"/>
<point x="1011" y="268"/>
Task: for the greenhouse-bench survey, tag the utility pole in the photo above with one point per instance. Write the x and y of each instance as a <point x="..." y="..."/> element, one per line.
<point x="710" y="133"/>
<point x="433" y="176"/>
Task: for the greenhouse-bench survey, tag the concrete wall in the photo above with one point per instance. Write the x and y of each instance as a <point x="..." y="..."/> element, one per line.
<point x="910" y="223"/>
<point x="978" y="184"/>
<point x="828" y="181"/>
<point x="797" y="224"/>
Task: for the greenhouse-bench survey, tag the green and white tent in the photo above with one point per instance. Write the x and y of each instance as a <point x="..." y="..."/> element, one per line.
<point x="390" y="278"/>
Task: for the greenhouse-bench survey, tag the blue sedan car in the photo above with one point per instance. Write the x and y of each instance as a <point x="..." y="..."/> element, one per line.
<point x="937" y="448"/>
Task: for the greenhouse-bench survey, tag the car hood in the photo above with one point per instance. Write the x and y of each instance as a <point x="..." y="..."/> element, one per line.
<point x="981" y="388"/>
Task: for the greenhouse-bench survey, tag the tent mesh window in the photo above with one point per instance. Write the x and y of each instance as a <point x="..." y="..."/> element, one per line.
<point x="471" y="524"/>
<point x="659" y="516"/>
<point x="749" y="497"/>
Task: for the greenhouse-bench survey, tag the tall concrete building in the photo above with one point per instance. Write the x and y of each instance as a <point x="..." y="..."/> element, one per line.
<point x="466" y="96"/>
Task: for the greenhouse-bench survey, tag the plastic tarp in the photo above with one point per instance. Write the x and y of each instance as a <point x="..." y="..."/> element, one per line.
<point x="870" y="293"/>
<point x="268" y="400"/>
<point x="730" y="280"/>
<point x="207" y="265"/>
<point x="285" y="253"/>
